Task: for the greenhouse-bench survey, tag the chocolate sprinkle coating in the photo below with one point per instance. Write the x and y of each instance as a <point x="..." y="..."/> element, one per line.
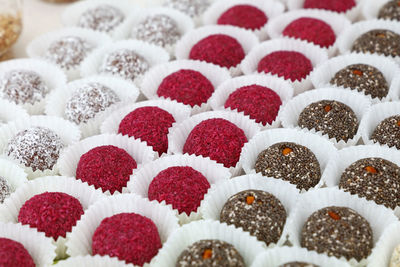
<point x="264" y="216"/>
<point x="375" y="179"/>
<point x="388" y="132"/>
<point x="331" y="117"/>
<point x="363" y="78"/>
<point x="210" y="253"/>
<point x="338" y="231"/>
<point x="290" y="162"/>
<point x="191" y="8"/>
<point x="102" y="18"/>
<point x="298" y="264"/>
<point x="5" y="189"/>
<point x="390" y="10"/>
<point x="378" y="41"/>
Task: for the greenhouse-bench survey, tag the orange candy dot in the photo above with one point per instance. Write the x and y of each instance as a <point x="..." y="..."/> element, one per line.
<point x="398" y="123"/>
<point x="207" y="254"/>
<point x="358" y="72"/>
<point x="250" y="200"/>
<point x="334" y="215"/>
<point x="370" y="169"/>
<point x="286" y="151"/>
<point x="327" y="108"/>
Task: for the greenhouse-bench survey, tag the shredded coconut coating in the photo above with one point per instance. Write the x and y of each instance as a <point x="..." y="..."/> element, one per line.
<point x="191" y="8"/>
<point x="14" y="254"/>
<point x="5" y="189"/>
<point x="103" y="18"/>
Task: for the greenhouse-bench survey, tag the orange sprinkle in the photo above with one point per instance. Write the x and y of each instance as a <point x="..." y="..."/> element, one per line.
<point x="370" y="169"/>
<point x="327" y="108"/>
<point x="358" y="72"/>
<point x="334" y="215"/>
<point x="286" y="151"/>
<point x="207" y="254"/>
<point x="381" y="35"/>
<point x="249" y="200"/>
<point x="398" y="123"/>
<point x="398" y="3"/>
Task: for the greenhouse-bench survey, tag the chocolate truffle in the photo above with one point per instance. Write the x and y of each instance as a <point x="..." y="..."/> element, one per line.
<point x="338" y="232"/>
<point x="395" y="259"/>
<point x="14" y="254"/>
<point x="23" y="87"/>
<point x="390" y="10"/>
<point x="131" y="237"/>
<point x="87" y="101"/>
<point x="330" y="117"/>
<point x="186" y="86"/>
<point x="36" y="147"/>
<point x="107" y="167"/>
<point x="5" y="189"/>
<point x="388" y="132"/>
<point x="218" y="139"/>
<point x="102" y="18"/>
<point x="192" y="8"/>
<point x="257" y="212"/>
<point x="182" y="186"/>
<point x="124" y="63"/>
<point x="243" y="16"/>
<point x="379" y="41"/>
<point x="68" y="52"/>
<point x="363" y="78"/>
<point x="209" y="253"/>
<point x="54" y="213"/>
<point x="339" y="6"/>
<point x="287" y="64"/>
<point x="290" y="162"/>
<point x="298" y="264"/>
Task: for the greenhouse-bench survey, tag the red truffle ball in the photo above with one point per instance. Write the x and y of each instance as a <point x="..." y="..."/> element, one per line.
<point x="53" y="213"/>
<point x="182" y="187"/>
<point x="217" y="139"/>
<point x="219" y="49"/>
<point x="331" y="5"/>
<point x="106" y="167"/>
<point x="259" y="102"/>
<point x="149" y="124"/>
<point x="130" y="237"/>
<point x="14" y="254"/>
<point x="244" y="16"/>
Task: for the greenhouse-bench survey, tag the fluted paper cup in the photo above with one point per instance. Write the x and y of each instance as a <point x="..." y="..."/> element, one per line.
<point x="370" y="9"/>
<point x="10" y="111"/>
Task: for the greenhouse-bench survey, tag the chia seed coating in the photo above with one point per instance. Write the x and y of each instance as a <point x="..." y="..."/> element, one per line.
<point x="381" y="185"/>
<point x="299" y="167"/>
<point x="264" y="216"/>
<point x="191" y="8"/>
<point x="298" y="264"/>
<point x="5" y="189"/>
<point x="210" y="253"/>
<point x="388" y="132"/>
<point x="363" y="78"/>
<point x="338" y="231"/>
<point x="330" y="117"/>
<point x="378" y="41"/>
<point x="390" y="10"/>
<point x="102" y="18"/>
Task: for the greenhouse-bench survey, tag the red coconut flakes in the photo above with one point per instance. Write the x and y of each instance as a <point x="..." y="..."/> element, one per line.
<point x="106" y="167"/>
<point x="260" y="103"/>
<point x="219" y="49"/>
<point x="54" y="213"/>
<point x="13" y="253"/>
<point x="288" y="64"/>
<point x="131" y="237"/>
<point x="189" y="87"/>
<point x="217" y="139"/>
<point x="331" y="5"/>
<point x="149" y="124"/>
<point x="244" y="16"/>
<point x="312" y="30"/>
<point x="183" y="187"/>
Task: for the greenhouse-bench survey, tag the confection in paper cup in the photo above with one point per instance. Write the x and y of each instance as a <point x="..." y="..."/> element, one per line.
<point x="68" y="132"/>
<point x="359" y="103"/>
<point x="178" y="134"/>
<point x="153" y="54"/>
<point x="271" y="9"/>
<point x="39" y="247"/>
<point x="127" y="93"/>
<point x="38" y="47"/>
<point x="248" y="246"/>
<point x="216" y="198"/>
<point x="52" y="76"/>
<point x="10" y="111"/>
<point x="246" y="39"/>
<point x="152" y="80"/>
<point x="378" y="217"/>
<point x="314" y="53"/>
<point x="214" y="173"/>
<point x="13" y="173"/>
<point x="370" y="9"/>
<point x="323" y="74"/>
<point x="322" y="148"/>
<point x="337" y="22"/>
<point x="86" y="195"/>
<point x="97" y="260"/>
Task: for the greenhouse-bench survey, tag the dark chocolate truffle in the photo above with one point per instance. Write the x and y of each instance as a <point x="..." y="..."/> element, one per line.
<point x="388" y="132"/>
<point x="379" y="41"/>
<point x="330" y="117"/>
<point x="298" y="264"/>
<point x="257" y="212"/>
<point x="338" y="232"/>
<point x="390" y="10"/>
<point x="102" y="18"/>
<point x="14" y="254"/>
<point x="192" y="8"/>
<point x="244" y="16"/>
<point x="290" y="162"/>
<point x="210" y="253"/>
<point x="5" y="189"/>
<point x="339" y="6"/>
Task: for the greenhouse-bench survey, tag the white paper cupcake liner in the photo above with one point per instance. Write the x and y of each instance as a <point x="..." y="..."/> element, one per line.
<point x="359" y="103"/>
<point x="370" y="9"/>
<point x="248" y="246"/>
<point x="67" y="131"/>
<point x="337" y="22"/>
<point x="86" y="195"/>
<point x="391" y="71"/>
<point x="38" y="47"/>
<point x="270" y="8"/>
<point x="14" y="175"/>
<point x="10" y="111"/>
<point x="52" y="76"/>
<point x="153" y="54"/>
<point x="152" y="80"/>
<point x="178" y="134"/>
<point x="245" y="38"/>
<point x="98" y="261"/>
<point x="378" y="217"/>
<point x="214" y="173"/>
<point x="56" y="103"/>
<point x="314" y="53"/>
